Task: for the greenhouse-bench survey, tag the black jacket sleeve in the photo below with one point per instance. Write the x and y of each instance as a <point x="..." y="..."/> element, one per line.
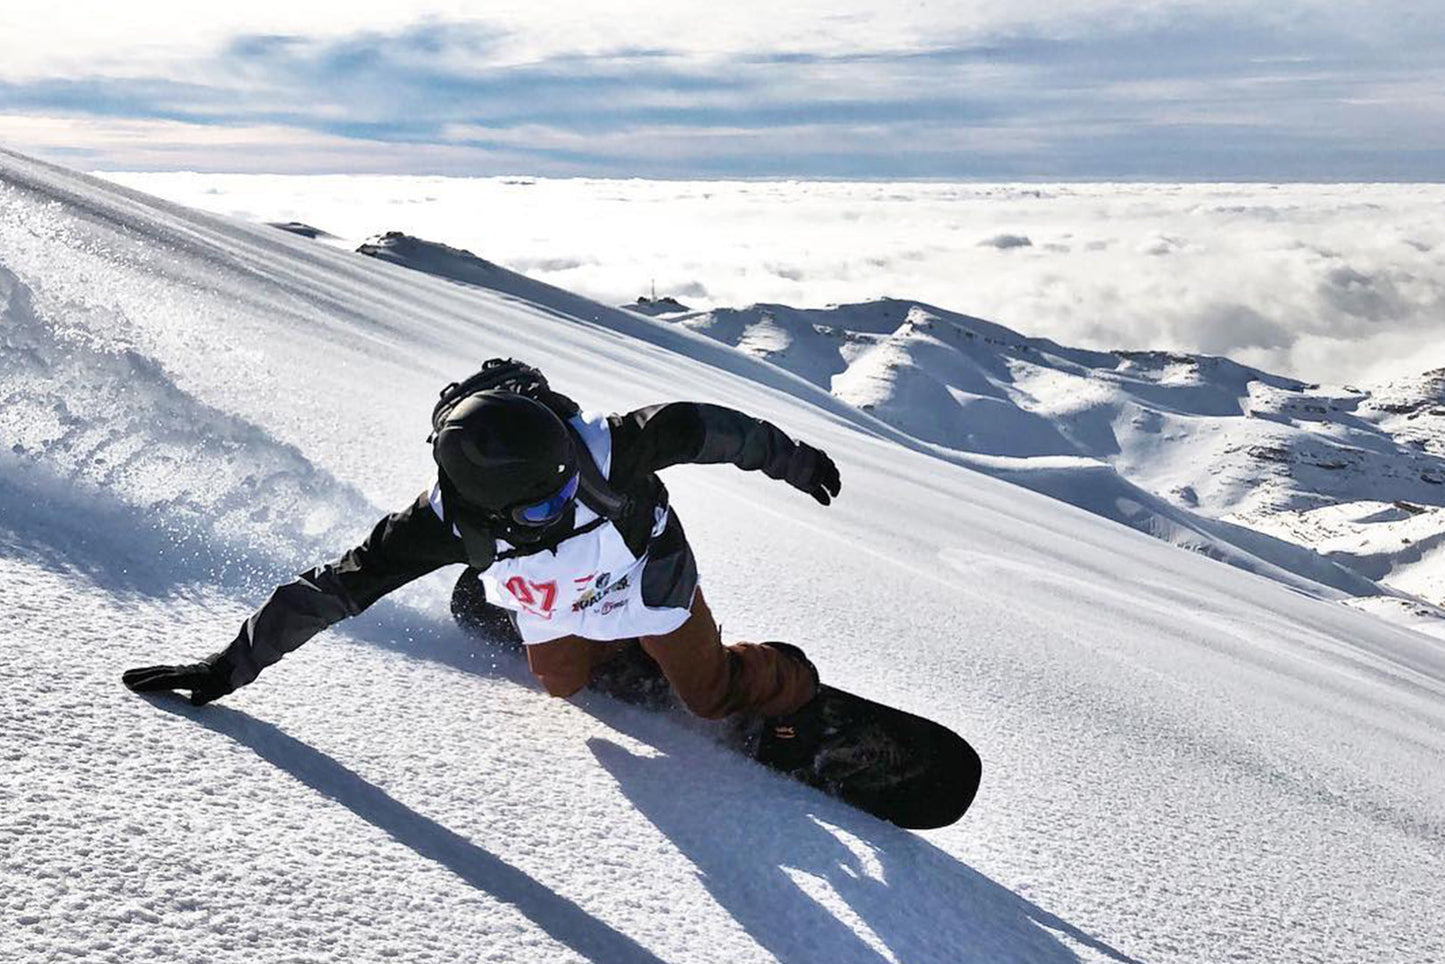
<point x="403" y="546"/>
<point x="655" y="437"/>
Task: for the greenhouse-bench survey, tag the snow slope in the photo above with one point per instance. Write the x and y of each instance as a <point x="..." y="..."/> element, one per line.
<point x="917" y="404"/>
<point x="1183" y="761"/>
<point x="1222" y="445"/>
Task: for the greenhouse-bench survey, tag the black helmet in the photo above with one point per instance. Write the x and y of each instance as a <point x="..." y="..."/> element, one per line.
<point x="501" y="451"/>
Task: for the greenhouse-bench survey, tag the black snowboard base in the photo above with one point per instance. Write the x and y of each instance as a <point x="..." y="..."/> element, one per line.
<point x="902" y="768"/>
<point x="899" y="767"/>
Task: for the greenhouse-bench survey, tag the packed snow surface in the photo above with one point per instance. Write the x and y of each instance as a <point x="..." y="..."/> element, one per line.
<point x="1183" y="761"/>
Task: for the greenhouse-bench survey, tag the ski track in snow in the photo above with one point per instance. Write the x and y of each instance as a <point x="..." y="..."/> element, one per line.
<point x="1182" y="761"/>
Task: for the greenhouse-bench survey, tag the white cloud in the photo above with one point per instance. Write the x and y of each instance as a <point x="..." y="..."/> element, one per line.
<point x="1327" y="283"/>
<point x="71" y="37"/>
<point x="259" y="148"/>
<point x="77" y="36"/>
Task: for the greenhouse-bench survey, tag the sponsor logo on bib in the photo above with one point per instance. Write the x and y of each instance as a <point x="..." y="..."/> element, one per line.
<point x="598" y="592"/>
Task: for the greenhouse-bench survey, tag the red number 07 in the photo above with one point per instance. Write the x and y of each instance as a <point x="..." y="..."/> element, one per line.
<point x="526" y="594"/>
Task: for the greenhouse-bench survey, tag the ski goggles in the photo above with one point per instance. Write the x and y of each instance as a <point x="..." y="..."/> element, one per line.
<point x="548" y="510"/>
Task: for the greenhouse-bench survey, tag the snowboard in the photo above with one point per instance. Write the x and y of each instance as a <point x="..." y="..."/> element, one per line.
<point x="899" y="767"/>
<point x="902" y="768"/>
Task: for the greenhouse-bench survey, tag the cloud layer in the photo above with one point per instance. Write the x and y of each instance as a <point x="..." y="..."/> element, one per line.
<point x="1334" y="283"/>
<point x="1083" y="89"/>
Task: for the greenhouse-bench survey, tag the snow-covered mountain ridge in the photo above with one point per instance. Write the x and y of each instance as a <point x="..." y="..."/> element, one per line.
<point x="1197" y="450"/>
<point x="1182" y="762"/>
<point x="1312" y="465"/>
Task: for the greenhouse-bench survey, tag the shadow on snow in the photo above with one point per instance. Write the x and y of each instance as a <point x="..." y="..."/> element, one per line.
<point x="762" y="844"/>
<point x="559" y="917"/>
<point x="764" y="857"/>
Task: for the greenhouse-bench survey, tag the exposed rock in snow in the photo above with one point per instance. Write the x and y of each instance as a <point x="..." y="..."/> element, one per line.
<point x="301" y="228"/>
<point x="655" y="307"/>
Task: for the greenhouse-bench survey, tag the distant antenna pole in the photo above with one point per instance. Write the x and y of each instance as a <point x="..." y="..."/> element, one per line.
<point x="654" y="289"/>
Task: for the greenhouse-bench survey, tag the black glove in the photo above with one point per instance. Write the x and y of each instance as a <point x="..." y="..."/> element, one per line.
<point x="811" y="470"/>
<point x="206" y="682"/>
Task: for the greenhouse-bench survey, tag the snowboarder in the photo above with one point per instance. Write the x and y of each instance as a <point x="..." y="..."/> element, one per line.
<point x="565" y="526"/>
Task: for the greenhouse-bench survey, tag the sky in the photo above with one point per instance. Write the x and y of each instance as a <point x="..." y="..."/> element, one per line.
<point x="1079" y="89"/>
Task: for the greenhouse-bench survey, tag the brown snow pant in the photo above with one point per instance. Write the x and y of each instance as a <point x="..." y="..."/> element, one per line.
<point x="711" y="679"/>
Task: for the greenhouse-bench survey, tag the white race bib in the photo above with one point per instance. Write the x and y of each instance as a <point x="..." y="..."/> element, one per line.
<point x="591" y="584"/>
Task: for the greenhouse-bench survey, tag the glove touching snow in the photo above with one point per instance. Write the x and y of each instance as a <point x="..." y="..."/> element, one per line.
<point x="206" y="682"/>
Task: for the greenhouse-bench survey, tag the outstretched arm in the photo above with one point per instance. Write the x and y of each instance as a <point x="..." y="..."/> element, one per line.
<point x="694" y="432"/>
<point x="403" y="546"/>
